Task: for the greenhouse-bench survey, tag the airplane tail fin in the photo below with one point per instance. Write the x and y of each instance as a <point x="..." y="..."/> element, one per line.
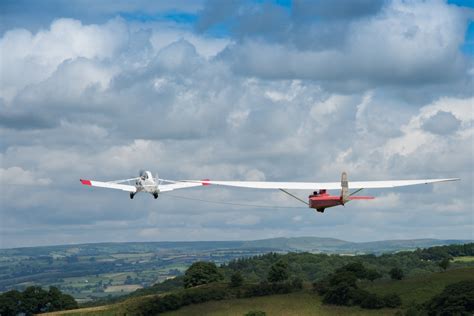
<point x="344" y="188"/>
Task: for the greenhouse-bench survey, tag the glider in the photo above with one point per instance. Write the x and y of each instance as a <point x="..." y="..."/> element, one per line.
<point x="322" y="200"/>
<point x="319" y="200"/>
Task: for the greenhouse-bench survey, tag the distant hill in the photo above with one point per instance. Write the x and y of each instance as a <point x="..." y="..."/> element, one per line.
<point x="282" y="244"/>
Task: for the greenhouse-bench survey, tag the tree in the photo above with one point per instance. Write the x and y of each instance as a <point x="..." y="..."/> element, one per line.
<point x="396" y="274"/>
<point x="444" y="264"/>
<point x="236" y="279"/>
<point x="201" y="272"/>
<point x="339" y="294"/>
<point x="372" y="275"/>
<point x="456" y="299"/>
<point x="278" y="272"/>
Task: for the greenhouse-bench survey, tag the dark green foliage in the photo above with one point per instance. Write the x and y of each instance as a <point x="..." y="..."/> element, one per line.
<point x="456" y="299"/>
<point x="256" y="313"/>
<point x="321" y="286"/>
<point x="200" y="273"/>
<point x="340" y="288"/>
<point x="266" y="288"/>
<point x="396" y="273"/>
<point x="236" y="279"/>
<point x="441" y="252"/>
<point x="444" y="264"/>
<point x="392" y="300"/>
<point x="35" y="300"/>
<point x="343" y="277"/>
<point x="297" y="283"/>
<point x="372" y="301"/>
<point x="372" y="275"/>
<point x="356" y="268"/>
<point x="278" y="272"/>
<point x="339" y="294"/>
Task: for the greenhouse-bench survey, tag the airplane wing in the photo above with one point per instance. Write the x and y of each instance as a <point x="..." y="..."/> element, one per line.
<point x="178" y="185"/>
<point x="321" y="185"/>
<point x="110" y="185"/>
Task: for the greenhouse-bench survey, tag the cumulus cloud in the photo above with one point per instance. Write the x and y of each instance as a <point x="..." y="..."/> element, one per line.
<point x="19" y="176"/>
<point x="103" y="100"/>
<point x="370" y="54"/>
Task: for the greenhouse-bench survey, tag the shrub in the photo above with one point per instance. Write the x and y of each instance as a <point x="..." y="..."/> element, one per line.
<point x="236" y="279"/>
<point x="396" y="274"/>
<point x="338" y="294"/>
<point x="372" y="301"/>
<point x="256" y="313"/>
<point x="392" y="300"/>
<point x="456" y="299"/>
<point x="201" y="273"/>
<point x="278" y="272"/>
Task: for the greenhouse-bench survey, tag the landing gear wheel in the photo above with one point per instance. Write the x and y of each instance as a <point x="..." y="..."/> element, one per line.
<point x="155" y="195"/>
<point x="132" y="195"/>
<point x="320" y="210"/>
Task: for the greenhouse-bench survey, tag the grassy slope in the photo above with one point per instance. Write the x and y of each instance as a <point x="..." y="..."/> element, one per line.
<point x="303" y="303"/>
<point x="415" y="289"/>
<point x="420" y="288"/>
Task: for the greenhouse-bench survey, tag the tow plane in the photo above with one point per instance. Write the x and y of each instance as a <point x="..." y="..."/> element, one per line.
<point x="145" y="182"/>
<point x="318" y="200"/>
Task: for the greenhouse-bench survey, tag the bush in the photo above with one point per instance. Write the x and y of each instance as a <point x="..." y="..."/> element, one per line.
<point x="396" y="274"/>
<point x="339" y="294"/>
<point x="297" y="284"/>
<point x="356" y="268"/>
<point x="278" y="272"/>
<point x="265" y="288"/>
<point x="372" y="301"/>
<point x="321" y="287"/>
<point x="343" y="277"/>
<point x="456" y="299"/>
<point x="256" y="313"/>
<point x="35" y="300"/>
<point x="392" y="300"/>
<point x="201" y="273"/>
<point x="236" y="279"/>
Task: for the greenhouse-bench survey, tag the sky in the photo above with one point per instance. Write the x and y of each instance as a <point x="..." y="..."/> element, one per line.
<point x="234" y="90"/>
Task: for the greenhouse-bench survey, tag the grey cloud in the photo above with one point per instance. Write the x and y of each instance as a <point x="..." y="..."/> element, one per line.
<point x="307" y="9"/>
<point x="25" y="121"/>
<point x="178" y="113"/>
<point x="442" y="123"/>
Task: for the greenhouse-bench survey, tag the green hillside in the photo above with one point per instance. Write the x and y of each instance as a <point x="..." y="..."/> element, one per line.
<point x="416" y="289"/>
<point x="301" y="304"/>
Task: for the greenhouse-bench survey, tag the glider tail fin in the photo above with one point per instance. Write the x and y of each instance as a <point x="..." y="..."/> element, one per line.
<point x="344" y="188"/>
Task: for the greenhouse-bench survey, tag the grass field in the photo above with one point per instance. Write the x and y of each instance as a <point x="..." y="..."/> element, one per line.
<point x="464" y="259"/>
<point x="420" y="288"/>
<point x="298" y="304"/>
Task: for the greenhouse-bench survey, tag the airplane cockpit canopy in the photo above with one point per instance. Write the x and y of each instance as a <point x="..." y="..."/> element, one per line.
<point x="145" y="174"/>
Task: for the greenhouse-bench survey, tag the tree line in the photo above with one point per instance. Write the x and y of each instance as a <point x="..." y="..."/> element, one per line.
<point x="34" y="300"/>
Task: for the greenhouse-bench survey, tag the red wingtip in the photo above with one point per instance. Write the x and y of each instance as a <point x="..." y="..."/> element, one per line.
<point x="86" y="182"/>
<point x="205" y="182"/>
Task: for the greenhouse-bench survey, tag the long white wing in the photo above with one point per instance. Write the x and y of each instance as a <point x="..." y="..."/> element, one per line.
<point x="110" y="185"/>
<point x="178" y="185"/>
<point x="321" y="185"/>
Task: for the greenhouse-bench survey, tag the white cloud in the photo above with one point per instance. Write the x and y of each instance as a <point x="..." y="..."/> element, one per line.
<point x="114" y="98"/>
<point x="31" y="58"/>
<point x="18" y="176"/>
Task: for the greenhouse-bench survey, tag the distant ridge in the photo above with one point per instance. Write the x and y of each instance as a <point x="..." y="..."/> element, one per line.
<point x="280" y="244"/>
